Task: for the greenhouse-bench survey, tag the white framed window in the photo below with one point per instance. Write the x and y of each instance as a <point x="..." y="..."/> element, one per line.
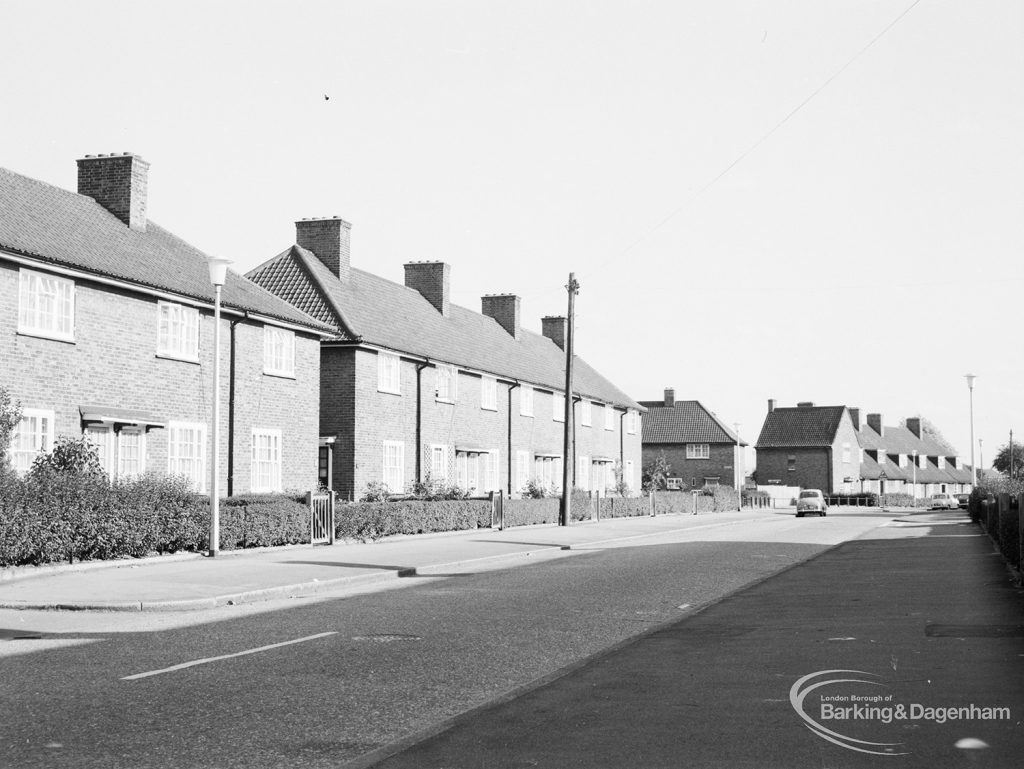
<point x="266" y="460"/>
<point x="548" y="472"/>
<point x="32" y="435"/>
<point x="446" y="379"/>
<point x="558" y="407"/>
<point x="186" y="452"/>
<point x="46" y="305"/>
<point x="389" y="378"/>
<point x="628" y="472"/>
<point x="131" y="452"/>
<point x="471" y="470"/>
<point x="846" y="453"/>
<point x="583" y="472"/>
<point x="526" y="400"/>
<point x="632" y="421"/>
<point x="489" y="393"/>
<point x="522" y="470"/>
<point x="609" y="417"/>
<point x="177" y="331"/>
<point x="438" y="462"/>
<point x="585" y="414"/>
<point x="278" y="351"/>
<point x="699" y="451"/>
<point x="942" y="463"/>
<point x="491" y="470"/>
<point x="394" y="466"/>
<point x="922" y="460"/>
<point x="101" y="436"/>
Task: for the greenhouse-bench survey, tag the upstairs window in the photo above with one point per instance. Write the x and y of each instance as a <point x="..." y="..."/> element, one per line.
<point x="278" y="351"/>
<point x="558" y="407"/>
<point x="489" y="393"/>
<point x="609" y="417"/>
<point x="446" y="380"/>
<point x="46" y="306"/>
<point x="632" y="419"/>
<point x="389" y="373"/>
<point x="526" y="401"/>
<point x="178" y="331"/>
<point x="698" y="451"/>
<point x="585" y="413"/>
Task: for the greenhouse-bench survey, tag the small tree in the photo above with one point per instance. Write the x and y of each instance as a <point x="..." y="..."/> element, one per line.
<point x="1002" y="461"/>
<point x="656" y="474"/>
<point x="10" y="416"/>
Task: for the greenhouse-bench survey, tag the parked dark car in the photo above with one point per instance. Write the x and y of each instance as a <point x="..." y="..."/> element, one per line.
<point x="963" y="500"/>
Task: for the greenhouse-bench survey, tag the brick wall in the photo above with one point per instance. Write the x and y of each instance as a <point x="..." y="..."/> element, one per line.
<point x="113" y="363"/>
<point x="720" y="464"/>
<point x="350" y="377"/>
<point x="812" y="468"/>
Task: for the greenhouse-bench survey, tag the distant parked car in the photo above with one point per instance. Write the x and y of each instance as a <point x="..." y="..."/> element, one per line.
<point x="944" y="502"/>
<point x="811" y="501"/>
<point x="963" y="500"/>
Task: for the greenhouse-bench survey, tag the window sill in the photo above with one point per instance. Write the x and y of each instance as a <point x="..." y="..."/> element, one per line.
<point x="182" y="359"/>
<point x="280" y="374"/>
<point x="489" y="408"/>
<point x="36" y="334"/>
<point x="449" y="401"/>
<point x="388" y="392"/>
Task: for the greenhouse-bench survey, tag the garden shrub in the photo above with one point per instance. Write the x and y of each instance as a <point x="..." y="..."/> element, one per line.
<point x="262" y="520"/>
<point x="532" y="511"/>
<point x="1008" y="533"/>
<point x="364" y="521"/>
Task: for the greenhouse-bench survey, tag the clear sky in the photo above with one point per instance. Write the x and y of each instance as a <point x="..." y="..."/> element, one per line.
<point x="800" y="199"/>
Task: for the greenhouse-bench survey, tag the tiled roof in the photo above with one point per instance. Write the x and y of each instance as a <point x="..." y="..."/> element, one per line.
<point x="377" y="311"/>
<point x="56" y="226"/>
<point x="685" y="422"/>
<point x="899" y="440"/>
<point x="800" y="426"/>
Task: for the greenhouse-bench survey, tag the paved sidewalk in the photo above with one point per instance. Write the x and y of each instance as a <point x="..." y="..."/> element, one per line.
<point x="189" y="582"/>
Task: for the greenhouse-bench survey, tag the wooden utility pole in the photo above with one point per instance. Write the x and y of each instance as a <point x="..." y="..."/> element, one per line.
<point x="568" y="455"/>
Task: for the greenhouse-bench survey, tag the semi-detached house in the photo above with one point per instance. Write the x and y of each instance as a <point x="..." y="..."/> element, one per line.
<point x="414" y="387"/>
<point x="106" y="330"/>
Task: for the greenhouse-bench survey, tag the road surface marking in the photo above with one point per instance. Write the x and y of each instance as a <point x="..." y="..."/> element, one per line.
<point x="184" y="665"/>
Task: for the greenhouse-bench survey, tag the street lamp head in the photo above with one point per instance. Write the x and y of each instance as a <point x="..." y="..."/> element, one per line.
<point x="218" y="269"/>
<point x="970" y="380"/>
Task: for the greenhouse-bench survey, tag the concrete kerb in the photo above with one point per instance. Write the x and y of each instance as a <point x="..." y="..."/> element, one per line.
<point x="317" y="586"/>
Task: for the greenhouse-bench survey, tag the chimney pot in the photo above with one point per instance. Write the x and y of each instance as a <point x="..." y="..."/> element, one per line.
<point x="771" y="405"/>
<point x="118" y="183"/>
<point x="555" y="328"/>
<point x="875" y="423"/>
<point x="670" y="396"/>
<point x="330" y="242"/>
<point x="805" y="405"/>
<point x="433" y="281"/>
<point x="505" y="309"/>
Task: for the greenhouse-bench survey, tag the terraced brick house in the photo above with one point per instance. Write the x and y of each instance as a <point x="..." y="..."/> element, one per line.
<point x="106" y="330"/>
<point x="701" y="450"/>
<point x="415" y="387"/>
<point x="827" y="447"/>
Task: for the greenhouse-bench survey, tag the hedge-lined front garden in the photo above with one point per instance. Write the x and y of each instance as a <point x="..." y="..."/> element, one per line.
<point x="66" y="509"/>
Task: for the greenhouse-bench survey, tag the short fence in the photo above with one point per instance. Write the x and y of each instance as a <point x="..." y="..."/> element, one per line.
<point x="1001" y="518"/>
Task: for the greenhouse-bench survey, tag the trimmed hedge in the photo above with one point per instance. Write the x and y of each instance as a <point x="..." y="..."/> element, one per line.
<point x="54" y="515"/>
<point x="529" y="512"/>
<point x="364" y="521"/>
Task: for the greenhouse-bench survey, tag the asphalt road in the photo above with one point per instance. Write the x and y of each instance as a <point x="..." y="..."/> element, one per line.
<point x="324" y="681"/>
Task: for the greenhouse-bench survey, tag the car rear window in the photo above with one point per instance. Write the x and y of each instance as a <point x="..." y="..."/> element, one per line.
<point x="809" y="494"/>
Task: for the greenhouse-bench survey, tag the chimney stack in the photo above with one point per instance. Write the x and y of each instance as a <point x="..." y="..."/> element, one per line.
<point x="914" y="425"/>
<point x="118" y="183"/>
<point x="670" y="396"/>
<point x="433" y="280"/>
<point x="805" y="405"/>
<point x="771" y="405"/>
<point x="329" y="240"/>
<point x="875" y="423"/>
<point x="504" y="308"/>
<point x="855" y="418"/>
<point x="555" y="328"/>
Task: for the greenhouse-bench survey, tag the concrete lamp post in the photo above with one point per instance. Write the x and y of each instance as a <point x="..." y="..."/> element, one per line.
<point x="218" y="275"/>
<point x="970" y="387"/>
<point x="915" y="476"/>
